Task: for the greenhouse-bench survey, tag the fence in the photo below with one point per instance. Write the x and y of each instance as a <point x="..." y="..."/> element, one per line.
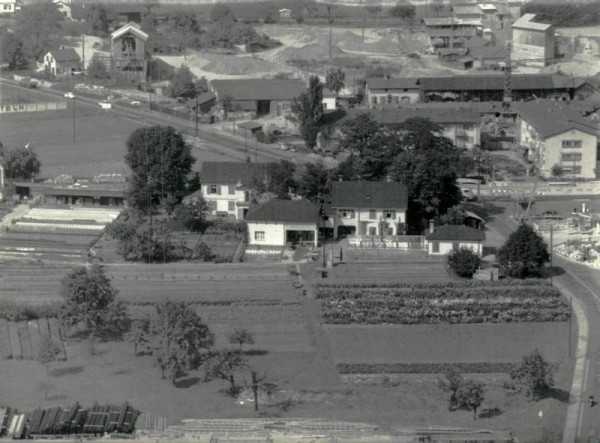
<point x="32" y="107"/>
<point x="398" y="242"/>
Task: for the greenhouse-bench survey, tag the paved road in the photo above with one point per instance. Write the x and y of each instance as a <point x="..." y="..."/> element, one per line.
<point x="232" y="146"/>
<point x="584" y="283"/>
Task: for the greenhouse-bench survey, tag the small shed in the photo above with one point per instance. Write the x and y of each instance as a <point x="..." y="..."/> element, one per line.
<point x="250" y="127"/>
<point x="449" y="238"/>
<point x="285" y="14"/>
<point x="329" y="99"/>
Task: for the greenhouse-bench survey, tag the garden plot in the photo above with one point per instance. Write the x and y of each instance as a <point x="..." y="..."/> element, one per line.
<point x="21" y="340"/>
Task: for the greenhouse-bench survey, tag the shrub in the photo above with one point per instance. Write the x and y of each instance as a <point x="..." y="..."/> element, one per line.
<point x="265" y="137"/>
<point x="12" y="311"/>
<point x="464" y="262"/>
<point x="534" y="375"/>
<point x="423" y="368"/>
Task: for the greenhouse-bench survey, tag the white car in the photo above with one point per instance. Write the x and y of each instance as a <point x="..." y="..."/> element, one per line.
<point x="69" y="95"/>
<point x="135" y="103"/>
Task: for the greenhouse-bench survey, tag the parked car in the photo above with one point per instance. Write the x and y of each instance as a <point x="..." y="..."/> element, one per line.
<point x="135" y="103"/>
<point x="284" y="146"/>
<point x="69" y="95"/>
<point x="28" y="82"/>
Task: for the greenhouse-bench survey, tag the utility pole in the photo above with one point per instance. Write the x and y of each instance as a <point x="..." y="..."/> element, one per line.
<point x="330" y="28"/>
<point x="196" y="115"/>
<point x="551" y="255"/>
<point x="255" y="151"/>
<point x="73" y="100"/>
<point x="83" y="53"/>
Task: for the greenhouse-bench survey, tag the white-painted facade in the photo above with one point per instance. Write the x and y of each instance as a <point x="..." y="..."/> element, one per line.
<point x="64" y="8"/>
<point x="379" y="97"/>
<point x="275" y="233"/>
<point x="328" y="103"/>
<point x="226" y="199"/>
<point x="442" y="247"/>
<point x="8" y="6"/>
<point x="371" y="221"/>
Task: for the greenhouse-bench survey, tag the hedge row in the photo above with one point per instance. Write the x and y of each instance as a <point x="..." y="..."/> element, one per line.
<point x="423" y="368"/>
<point x="546" y="292"/>
<point x="12" y="311"/>
<point x="377" y="310"/>
<point x="453" y="284"/>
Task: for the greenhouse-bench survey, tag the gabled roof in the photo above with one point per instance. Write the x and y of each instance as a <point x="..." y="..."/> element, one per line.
<point x="290" y="211"/>
<point x="466" y="10"/>
<point x="526" y="22"/>
<point x="457" y="233"/>
<point x="249" y="125"/>
<point x="259" y="89"/>
<point x="440" y="115"/>
<point x="230" y="173"/>
<point x="131" y="27"/>
<point x="363" y="194"/>
<point x="65" y="55"/>
<point x="551" y="118"/>
<point x="493" y="52"/>
<point x="393" y="83"/>
<point x="495" y="82"/>
<point x="201" y="99"/>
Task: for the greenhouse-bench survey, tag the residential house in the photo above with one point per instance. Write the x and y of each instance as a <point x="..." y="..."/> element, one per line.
<point x="329" y="99"/>
<point x="391" y="91"/>
<point x="8" y="6"/>
<point x="279" y="222"/>
<point x="128" y="51"/>
<point x="64" y="7"/>
<point x="488" y="56"/>
<point x="205" y="102"/>
<point x="552" y="133"/>
<point x="226" y="187"/>
<point x="368" y="208"/>
<point x="62" y="62"/>
<point x="263" y="96"/>
<point x="449" y="238"/>
<point x="285" y="14"/>
<point x="461" y="124"/>
<point x="533" y="43"/>
<point x="447" y="32"/>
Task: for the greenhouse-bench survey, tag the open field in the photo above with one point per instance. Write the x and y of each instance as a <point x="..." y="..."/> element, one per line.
<point x="404" y="269"/>
<point x="474" y="343"/>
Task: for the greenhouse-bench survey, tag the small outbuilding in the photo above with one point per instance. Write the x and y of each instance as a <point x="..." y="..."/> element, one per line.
<point x="453" y="237"/>
<point x="278" y="222"/>
<point x="285" y="14"/>
<point x="250" y="127"/>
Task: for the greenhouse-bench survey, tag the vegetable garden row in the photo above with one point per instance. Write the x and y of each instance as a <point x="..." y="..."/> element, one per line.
<point x="435" y="304"/>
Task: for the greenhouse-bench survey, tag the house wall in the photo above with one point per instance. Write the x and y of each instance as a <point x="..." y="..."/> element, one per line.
<point x="275" y="232"/>
<point x="533" y="48"/>
<point x="328" y="103"/>
<point x="64" y="9"/>
<point x="365" y="220"/>
<point x="7" y="7"/>
<point x="227" y="199"/>
<point x="60" y="69"/>
<point x="463" y="135"/>
<point x="398" y="96"/>
<point x="447" y="246"/>
<point x="545" y="153"/>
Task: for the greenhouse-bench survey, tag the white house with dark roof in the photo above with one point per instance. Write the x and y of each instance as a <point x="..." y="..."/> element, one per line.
<point x="391" y="91"/>
<point x="8" y="6"/>
<point x="278" y="222"/>
<point x="368" y="208"/>
<point x="449" y="238"/>
<point x="64" y="7"/>
<point x="226" y="187"/>
<point x="552" y="133"/>
<point x="62" y="62"/>
<point x="263" y="96"/>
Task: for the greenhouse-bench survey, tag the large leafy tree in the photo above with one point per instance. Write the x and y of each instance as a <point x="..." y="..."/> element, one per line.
<point x="20" y="163"/>
<point x="307" y="111"/>
<point x="38" y="26"/>
<point x="183" y="83"/>
<point x="12" y="52"/>
<point x="100" y="18"/>
<point x="470" y="395"/>
<point x="428" y="165"/>
<point x="464" y="262"/>
<point x="534" y="375"/>
<point x="334" y="80"/>
<point x="277" y="180"/>
<point x="224" y="364"/>
<point x="89" y="302"/>
<point x="524" y="253"/>
<point x="313" y="181"/>
<point x="160" y="161"/>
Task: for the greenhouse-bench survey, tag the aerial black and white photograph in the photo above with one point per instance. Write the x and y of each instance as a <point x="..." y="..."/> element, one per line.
<point x="303" y="221"/>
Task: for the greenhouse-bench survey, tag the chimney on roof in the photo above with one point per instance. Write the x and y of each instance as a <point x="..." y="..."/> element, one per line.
<point x="340" y="178"/>
<point x="431" y="226"/>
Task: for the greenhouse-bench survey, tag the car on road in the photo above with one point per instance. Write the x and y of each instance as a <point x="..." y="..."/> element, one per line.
<point x="135" y="103"/>
<point x="69" y="95"/>
<point x="286" y="147"/>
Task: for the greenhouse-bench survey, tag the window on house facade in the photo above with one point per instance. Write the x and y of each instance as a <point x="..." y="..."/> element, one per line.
<point x="212" y="205"/>
<point x="435" y="246"/>
<point x="389" y="99"/>
<point x="231" y="206"/>
<point x="375" y="100"/>
<point x="571" y="157"/>
<point x="231" y="189"/>
<point x="259" y="235"/>
<point x="213" y="189"/>
<point x="389" y="213"/>
<point x="346" y="213"/>
<point x="571" y="143"/>
<point x="455" y="246"/>
<point x="405" y="99"/>
<point x="372" y="214"/>
<point x="571" y="169"/>
<point x="396" y="99"/>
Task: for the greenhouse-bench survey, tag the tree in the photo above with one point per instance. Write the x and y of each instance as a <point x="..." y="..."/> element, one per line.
<point x="227" y="103"/>
<point x="139" y="335"/>
<point x="534" y="375"/>
<point x="427" y="164"/>
<point x="160" y="161"/>
<point x="464" y="262"/>
<point x="183" y="83"/>
<point x="256" y="382"/>
<point x="180" y="338"/>
<point x="191" y="216"/>
<point x="334" y="80"/>
<point x="223" y="365"/>
<point x="89" y="301"/>
<point x="277" y="180"/>
<point x="241" y="337"/>
<point x="470" y="395"/>
<point x="454" y="216"/>
<point x="405" y="12"/>
<point x="556" y="171"/>
<point x="313" y="181"/>
<point x="524" y="253"/>
<point x="221" y="13"/>
<point x="452" y="384"/>
<point x="100" y="18"/>
<point x="20" y="163"/>
<point x="307" y="111"/>
<point x="12" y="52"/>
<point x="47" y="352"/>
<point x="97" y="69"/>
<point x="38" y="26"/>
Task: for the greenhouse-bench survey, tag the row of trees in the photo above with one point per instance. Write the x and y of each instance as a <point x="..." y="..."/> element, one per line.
<point x="19" y="163"/>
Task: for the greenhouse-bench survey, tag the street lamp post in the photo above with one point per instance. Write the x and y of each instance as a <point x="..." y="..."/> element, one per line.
<point x="73" y="99"/>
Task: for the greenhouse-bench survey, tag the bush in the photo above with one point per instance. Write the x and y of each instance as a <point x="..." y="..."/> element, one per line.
<point x="265" y="137"/>
<point x="534" y="375"/>
<point x="464" y="262"/>
<point x="424" y="368"/>
<point x="12" y="311"/>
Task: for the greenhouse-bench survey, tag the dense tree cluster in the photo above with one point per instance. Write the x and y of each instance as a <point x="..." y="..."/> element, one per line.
<point x="19" y="163"/>
<point x="564" y="14"/>
<point x="524" y="253"/>
<point x="307" y="111"/>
